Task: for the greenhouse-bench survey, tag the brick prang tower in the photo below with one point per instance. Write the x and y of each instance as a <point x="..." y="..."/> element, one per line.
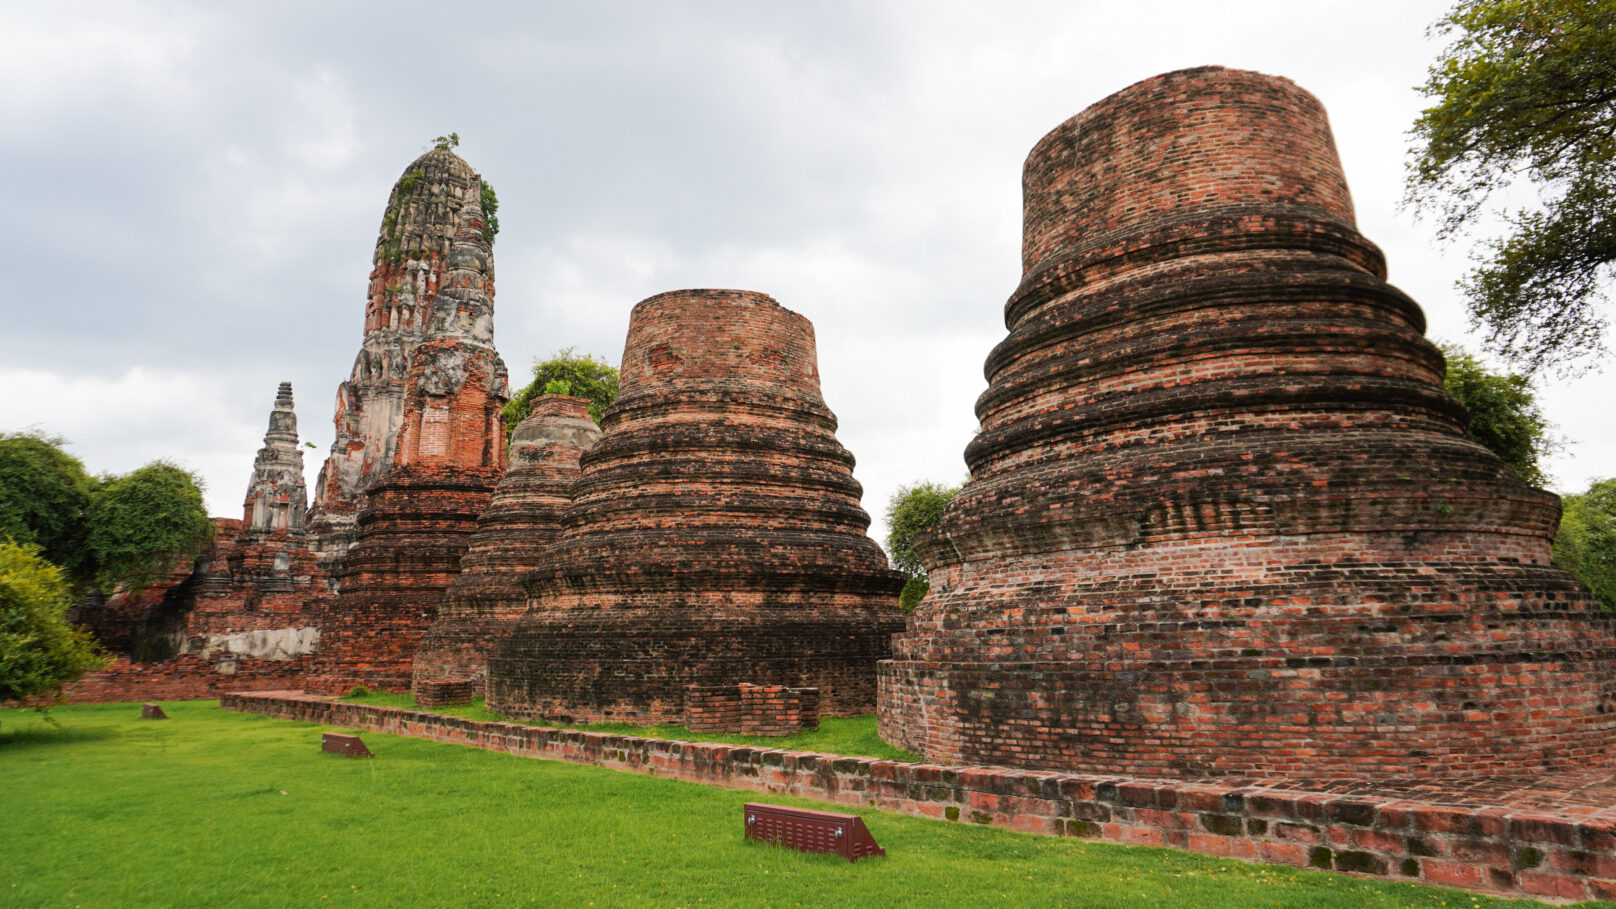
<point x="714" y="537"/>
<point x="408" y="269"/>
<point x="482" y="604"/>
<point x="418" y="518"/>
<point x="1223" y="519"/>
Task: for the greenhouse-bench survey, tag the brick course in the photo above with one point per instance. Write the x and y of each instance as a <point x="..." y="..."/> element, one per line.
<point x="1223" y="518"/>
<point x="714" y="536"/>
<point x="751" y="709"/>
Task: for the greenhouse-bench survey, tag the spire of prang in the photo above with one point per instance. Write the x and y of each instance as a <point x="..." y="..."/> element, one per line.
<point x="276" y="496"/>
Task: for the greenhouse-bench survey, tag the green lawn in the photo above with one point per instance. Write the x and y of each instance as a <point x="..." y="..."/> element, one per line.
<point x="853" y="736"/>
<point x="213" y="808"/>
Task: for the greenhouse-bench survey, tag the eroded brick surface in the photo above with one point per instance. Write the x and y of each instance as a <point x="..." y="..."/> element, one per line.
<point x="714" y="536"/>
<point x="1223" y="519"/>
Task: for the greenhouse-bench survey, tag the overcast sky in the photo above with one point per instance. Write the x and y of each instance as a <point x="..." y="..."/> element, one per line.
<point x="193" y="191"/>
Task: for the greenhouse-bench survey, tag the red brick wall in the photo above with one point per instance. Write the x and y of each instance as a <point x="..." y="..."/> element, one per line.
<point x="1223" y="519"/>
<point x="1517" y="850"/>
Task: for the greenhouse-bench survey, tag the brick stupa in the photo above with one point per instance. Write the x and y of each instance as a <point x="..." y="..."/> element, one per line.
<point x="482" y="605"/>
<point x="715" y="535"/>
<point x="419" y="516"/>
<point x="1223" y="518"/>
<point x="408" y="268"/>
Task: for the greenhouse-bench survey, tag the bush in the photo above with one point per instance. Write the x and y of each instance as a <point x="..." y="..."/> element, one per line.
<point x="40" y="651"/>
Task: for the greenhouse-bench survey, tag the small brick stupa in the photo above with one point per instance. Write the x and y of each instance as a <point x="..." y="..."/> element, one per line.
<point x="419" y="517"/>
<point x="715" y="535"/>
<point x="1223" y="519"/>
<point x="408" y="269"/>
<point x="481" y="606"/>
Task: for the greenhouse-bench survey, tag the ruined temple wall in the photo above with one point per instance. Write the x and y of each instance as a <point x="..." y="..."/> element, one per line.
<point x="244" y="615"/>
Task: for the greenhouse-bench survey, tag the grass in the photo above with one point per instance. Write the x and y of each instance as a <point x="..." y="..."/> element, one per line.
<point x="213" y="808"/>
<point x="850" y="736"/>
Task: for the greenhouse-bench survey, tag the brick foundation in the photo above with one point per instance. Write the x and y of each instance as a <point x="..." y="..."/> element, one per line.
<point x="751" y="709"/>
<point x="1497" y="841"/>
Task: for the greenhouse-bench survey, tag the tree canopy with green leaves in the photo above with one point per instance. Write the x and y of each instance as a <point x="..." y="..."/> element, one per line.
<point x="912" y="510"/>
<point x="40" y="651"/>
<point x="143" y="523"/>
<point x="44" y="495"/>
<point x="110" y="531"/>
<point x="565" y="373"/>
<point x="1586" y="542"/>
<point x="1525" y="93"/>
<point x="1504" y="415"/>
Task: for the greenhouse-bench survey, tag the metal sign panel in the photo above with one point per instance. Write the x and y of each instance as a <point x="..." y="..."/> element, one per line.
<point x="811" y="831"/>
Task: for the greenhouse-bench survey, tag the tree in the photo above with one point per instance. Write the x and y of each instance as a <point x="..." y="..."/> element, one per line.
<point x="911" y="511"/>
<point x="1526" y="91"/>
<point x="1504" y="415"/>
<point x="141" y="524"/>
<point x="1586" y="542"/>
<point x="40" y="651"/>
<point x="565" y="373"/>
<point x="44" y="494"/>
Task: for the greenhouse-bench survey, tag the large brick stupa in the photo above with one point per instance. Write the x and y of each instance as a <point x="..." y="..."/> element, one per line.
<point x="715" y="535"/>
<point x="1223" y="519"/>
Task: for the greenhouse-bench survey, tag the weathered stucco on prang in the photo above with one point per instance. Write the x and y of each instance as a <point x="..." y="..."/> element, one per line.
<point x="418" y="518"/>
<point x="408" y="269"/>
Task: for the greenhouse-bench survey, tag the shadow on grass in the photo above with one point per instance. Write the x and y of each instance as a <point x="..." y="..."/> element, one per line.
<point x="26" y="734"/>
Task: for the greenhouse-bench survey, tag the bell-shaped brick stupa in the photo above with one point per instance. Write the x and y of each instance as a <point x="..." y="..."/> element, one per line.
<point x="1223" y="519"/>
<point x="715" y="535"/>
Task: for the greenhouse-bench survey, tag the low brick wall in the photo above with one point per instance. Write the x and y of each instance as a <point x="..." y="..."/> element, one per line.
<point x="1518" y="852"/>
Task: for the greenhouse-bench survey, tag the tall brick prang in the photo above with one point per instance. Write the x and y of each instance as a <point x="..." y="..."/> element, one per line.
<point x="418" y="518"/>
<point x="1223" y="519"/>
<point x="714" y="536"/>
<point x="483" y="603"/>
<point x="409" y="267"/>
